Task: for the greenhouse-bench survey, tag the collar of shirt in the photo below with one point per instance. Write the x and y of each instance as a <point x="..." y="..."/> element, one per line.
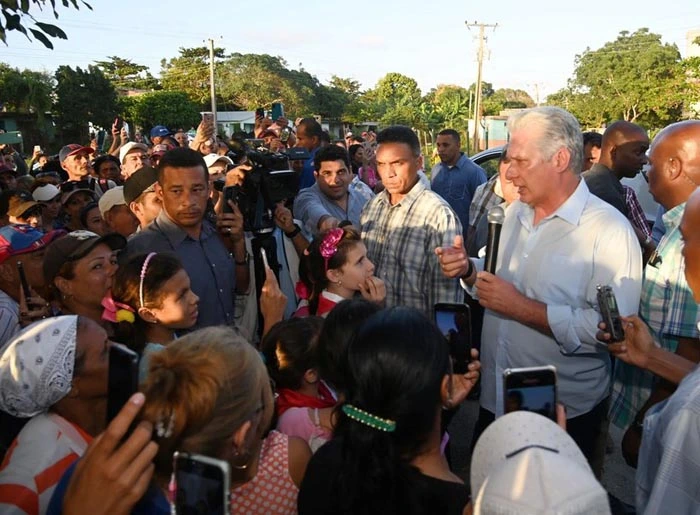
<point x="410" y="197"/>
<point x="458" y="164"/>
<point x="672" y="217"/>
<point x="174" y="233"/>
<point x="570" y="211"/>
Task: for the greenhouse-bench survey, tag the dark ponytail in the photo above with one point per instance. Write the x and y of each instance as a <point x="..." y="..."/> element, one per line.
<point x="397" y="362"/>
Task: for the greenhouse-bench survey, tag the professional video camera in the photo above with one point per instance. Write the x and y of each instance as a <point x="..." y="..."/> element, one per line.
<point x="270" y="181"/>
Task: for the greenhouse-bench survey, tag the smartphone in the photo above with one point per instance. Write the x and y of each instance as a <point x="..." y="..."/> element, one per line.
<point x="230" y="193"/>
<point x="202" y="485"/>
<point x="37" y="148"/>
<point x="125" y="126"/>
<point x="209" y="117"/>
<point x="277" y="111"/>
<point x="123" y="378"/>
<point x="607" y="305"/>
<point x="118" y="123"/>
<point x="263" y="254"/>
<point x="23" y="281"/>
<point x="454" y="321"/>
<point x="260" y="112"/>
<point x="531" y="389"/>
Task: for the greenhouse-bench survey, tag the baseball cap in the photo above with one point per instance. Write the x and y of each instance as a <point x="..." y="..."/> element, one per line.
<point x="129" y="147"/>
<point x="20" y="203"/>
<point x="525" y="463"/>
<point x="111" y="198"/>
<point x="45" y="193"/>
<point x="73" y="246"/>
<point x="159" y="130"/>
<point x="160" y="149"/>
<point x="71" y="150"/>
<point x="210" y="159"/>
<point x="69" y="188"/>
<point x="16" y="239"/>
<point x="348" y="134"/>
<point x="141" y="180"/>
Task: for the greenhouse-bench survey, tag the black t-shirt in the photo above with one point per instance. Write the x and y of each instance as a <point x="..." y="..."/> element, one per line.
<point x="318" y="493"/>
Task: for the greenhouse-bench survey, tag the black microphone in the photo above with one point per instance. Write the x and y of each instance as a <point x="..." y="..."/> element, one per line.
<point x="495" y="218"/>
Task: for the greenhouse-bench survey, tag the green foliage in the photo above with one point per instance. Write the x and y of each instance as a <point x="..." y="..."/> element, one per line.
<point x="396" y="99"/>
<point x="16" y="16"/>
<point x="125" y="74"/>
<point x="173" y="109"/>
<point x="25" y="91"/>
<point x="82" y="96"/>
<point x="636" y="78"/>
<point x="189" y="72"/>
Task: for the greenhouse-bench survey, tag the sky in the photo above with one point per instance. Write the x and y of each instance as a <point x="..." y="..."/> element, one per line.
<point x="532" y="48"/>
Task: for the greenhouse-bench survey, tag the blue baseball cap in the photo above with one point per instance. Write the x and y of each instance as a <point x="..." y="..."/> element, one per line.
<point x="159" y="131"/>
<point x="16" y="239"/>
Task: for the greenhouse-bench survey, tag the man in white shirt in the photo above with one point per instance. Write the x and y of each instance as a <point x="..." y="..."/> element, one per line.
<point x="558" y="242"/>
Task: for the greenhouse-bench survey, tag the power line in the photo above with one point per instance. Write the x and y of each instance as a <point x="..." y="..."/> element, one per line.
<point x="477" y="93"/>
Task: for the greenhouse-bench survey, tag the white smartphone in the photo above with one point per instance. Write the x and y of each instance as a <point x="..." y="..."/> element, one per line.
<point x="263" y="254"/>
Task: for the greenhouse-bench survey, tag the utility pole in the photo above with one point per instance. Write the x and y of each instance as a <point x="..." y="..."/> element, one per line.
<point x="480" y="60"/>
<point x="212" y="86"/>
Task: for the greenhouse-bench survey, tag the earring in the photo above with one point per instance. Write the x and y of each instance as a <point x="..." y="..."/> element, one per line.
<point x="240" y="460"/>
<point x="339" y="283"/>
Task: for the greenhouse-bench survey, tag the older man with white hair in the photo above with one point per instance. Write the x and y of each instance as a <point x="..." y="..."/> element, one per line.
<point x="558" y="242"/>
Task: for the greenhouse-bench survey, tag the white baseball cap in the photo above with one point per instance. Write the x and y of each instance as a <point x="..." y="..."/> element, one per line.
<point x="45" y="193"/>
<point x="210" y="159"/>
<point x="111" y="198"/>
<point x="525" y="463"/>
<point x="129" y="147"/>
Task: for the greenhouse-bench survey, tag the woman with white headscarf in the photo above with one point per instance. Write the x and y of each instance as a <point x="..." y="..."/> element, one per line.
<point x="54" y="371"/>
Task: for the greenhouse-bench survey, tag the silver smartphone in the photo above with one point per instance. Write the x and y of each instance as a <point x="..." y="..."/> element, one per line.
<point x="531" y="389"/>
<point x="202" y="484"/>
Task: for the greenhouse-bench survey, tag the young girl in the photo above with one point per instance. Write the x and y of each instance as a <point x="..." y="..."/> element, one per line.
<point x="289" y="351"/>
<point x="334" y="268"/>
<point x="150" y="300"/>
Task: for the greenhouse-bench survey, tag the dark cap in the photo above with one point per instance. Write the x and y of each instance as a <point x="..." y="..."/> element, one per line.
<point x="73" y="246"/>
<point x="73" y="149"/>
<point x="20" y="203"/>
<point x="140" y="181"/>
<point x="159" y="131"/>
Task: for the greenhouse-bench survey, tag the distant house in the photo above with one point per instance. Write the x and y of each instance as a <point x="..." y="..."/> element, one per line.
<point x="229" y="122"/>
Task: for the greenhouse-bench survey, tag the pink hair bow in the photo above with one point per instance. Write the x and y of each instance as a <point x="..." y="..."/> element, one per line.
<point x="116" y="311"/>
<point x="329" y="245"/>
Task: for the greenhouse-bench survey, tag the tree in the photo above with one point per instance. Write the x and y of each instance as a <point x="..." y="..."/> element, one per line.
<point x="173" y="109"/>
<point x="189" y="72"/>
<point x="125" y="74"/>
<point x="25" y="91"/>
<point x="17" y="17"/>
<point x="396" y="99"/>
<point x="636" y="78"/>
<point x="82" y="96"/>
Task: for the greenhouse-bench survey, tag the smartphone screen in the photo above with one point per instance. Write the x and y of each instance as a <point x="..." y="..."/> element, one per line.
<point x="23" y="281"/>
<point x="531" y="389"/>
<point x="454" y="321"/>
<point x="260" y="112"/>
<point x="123" y="378"/>
<point x="277" y="111"/>
<point x="202" y="485"/>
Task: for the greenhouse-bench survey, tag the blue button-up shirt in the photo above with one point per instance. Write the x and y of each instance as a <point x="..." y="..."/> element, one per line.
<point x="206" y="260"/>
<point x="457" y="184"/>
<point x="307" y="178"/>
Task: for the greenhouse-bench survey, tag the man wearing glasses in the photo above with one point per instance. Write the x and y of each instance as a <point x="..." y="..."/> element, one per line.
<point x="331" y="199"/>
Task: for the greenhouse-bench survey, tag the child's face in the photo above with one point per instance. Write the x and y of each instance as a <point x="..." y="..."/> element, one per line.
<point x="179" y="307"/>
<point x="357" y="268"/>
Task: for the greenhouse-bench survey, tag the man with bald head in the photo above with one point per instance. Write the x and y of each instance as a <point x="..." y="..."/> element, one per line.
<point x="667" y="305"/>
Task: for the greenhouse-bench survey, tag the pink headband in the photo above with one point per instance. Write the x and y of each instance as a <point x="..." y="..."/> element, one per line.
<point x="143" y="275"/>
<point x="329" y="245"/>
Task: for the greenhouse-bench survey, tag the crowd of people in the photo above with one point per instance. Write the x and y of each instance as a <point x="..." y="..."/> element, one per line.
<point x="294" y="340"/>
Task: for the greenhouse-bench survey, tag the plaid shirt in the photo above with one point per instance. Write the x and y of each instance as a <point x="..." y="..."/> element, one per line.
<point x="635" y="212"/>
<point x="401" y="241"/>
<point x="668" y="308"/>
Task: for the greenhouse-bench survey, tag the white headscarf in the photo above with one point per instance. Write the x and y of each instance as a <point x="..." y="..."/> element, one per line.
<point x="36" y="367"/>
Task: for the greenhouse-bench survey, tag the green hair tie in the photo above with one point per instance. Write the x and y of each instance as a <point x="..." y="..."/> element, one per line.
<point x="373" y="421"/>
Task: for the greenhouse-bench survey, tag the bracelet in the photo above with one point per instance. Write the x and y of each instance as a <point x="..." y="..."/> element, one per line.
<point x="470" y="270"/>
<point x="293" y="233"/>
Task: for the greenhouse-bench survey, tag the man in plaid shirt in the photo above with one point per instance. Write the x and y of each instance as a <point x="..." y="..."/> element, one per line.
<point x="404" y="224"/>
<point x="667" y="304"/>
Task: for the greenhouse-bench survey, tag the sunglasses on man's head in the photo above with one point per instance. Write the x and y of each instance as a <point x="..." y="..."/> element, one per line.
<point x="69" y="186"/>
